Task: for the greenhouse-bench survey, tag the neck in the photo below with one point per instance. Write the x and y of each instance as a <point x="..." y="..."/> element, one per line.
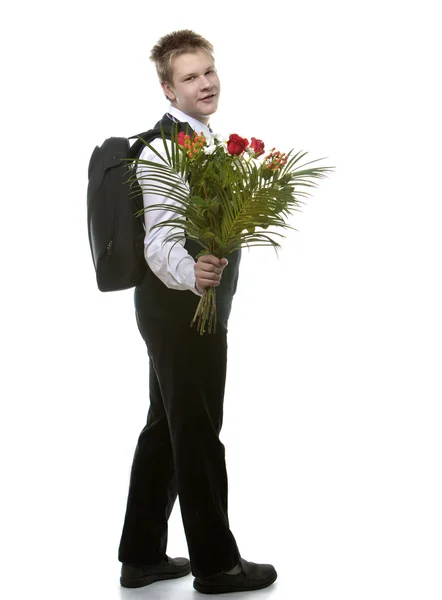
<point x="201" y="118"/>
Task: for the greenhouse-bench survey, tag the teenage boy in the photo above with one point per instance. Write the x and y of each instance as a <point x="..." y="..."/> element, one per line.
<point x="179" y="450"/>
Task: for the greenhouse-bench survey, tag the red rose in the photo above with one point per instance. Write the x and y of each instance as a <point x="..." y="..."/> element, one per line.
<point x="257" y="146"/>
<point x="236" y="144"/>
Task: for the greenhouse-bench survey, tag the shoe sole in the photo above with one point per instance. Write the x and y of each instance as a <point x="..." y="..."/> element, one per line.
<point x="148" y="579"/>
<point x="225" y="589"/>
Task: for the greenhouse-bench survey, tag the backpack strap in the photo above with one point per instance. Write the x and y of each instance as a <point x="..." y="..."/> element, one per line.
<point x="167" y="122"/>
<point x="135" y="150"/>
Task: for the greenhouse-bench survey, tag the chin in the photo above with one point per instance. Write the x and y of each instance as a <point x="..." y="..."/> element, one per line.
<point x="212" y="108"/>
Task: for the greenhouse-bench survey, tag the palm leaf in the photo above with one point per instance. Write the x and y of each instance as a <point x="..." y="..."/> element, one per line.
<point x="247" y="197"/>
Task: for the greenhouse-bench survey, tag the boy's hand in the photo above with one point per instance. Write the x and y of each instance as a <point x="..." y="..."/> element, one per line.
<point x="208" y="271"/>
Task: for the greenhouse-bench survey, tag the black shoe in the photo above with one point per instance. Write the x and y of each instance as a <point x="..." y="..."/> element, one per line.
<point x="252" y="577"/>
<point x="134" y="576"/>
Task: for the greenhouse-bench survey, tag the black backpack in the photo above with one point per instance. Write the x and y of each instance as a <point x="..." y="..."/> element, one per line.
<point x="116" y="235"/>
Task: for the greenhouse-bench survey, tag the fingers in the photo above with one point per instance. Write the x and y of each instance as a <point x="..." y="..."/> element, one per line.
<point x="209" y="269"/>
<point x="209" y="259"/>
<point x="208" y="282"/>
<point x="207" y="262"/>
<point x="210" y="272"/>
<point x="205" y="281"/>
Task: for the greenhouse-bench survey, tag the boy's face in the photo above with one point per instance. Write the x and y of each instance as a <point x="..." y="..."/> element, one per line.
<point x="194" y="78"/>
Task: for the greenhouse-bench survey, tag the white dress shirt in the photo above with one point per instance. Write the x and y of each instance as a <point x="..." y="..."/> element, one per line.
<point x="178" y="272"/>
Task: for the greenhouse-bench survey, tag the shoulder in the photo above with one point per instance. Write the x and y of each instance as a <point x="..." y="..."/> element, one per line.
<point x="158" y="144"/>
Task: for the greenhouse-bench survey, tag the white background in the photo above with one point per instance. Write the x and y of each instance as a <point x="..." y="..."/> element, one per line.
<point x="333" y="401"/>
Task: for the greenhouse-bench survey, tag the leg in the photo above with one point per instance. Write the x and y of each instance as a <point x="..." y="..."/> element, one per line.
<point x="152" y="488"/>
<point x="191" y="372"/>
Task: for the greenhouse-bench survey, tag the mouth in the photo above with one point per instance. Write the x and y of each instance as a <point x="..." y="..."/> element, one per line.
<point x="208" y="98"/>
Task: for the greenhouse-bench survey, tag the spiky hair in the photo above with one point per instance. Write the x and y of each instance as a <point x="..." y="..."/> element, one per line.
<point x="174" y="44"/>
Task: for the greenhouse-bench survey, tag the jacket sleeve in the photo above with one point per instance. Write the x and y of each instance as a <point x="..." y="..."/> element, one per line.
<point x="177" y="272"/>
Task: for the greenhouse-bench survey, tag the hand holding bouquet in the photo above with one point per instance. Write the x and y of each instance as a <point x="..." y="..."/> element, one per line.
<point x="234" y="191"/>
<point x="208" y="271"/>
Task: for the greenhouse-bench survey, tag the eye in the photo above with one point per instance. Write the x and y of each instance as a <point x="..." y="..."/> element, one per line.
<point x="190" y="78"/>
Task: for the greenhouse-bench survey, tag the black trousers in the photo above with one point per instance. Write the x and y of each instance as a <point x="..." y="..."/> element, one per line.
<point x="179" y="450"/>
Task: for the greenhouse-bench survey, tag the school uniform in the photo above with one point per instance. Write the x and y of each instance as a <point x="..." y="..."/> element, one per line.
<point x="179" y="451"/>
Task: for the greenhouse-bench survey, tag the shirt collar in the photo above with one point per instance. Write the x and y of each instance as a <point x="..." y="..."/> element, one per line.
<point x="197" y="126"/>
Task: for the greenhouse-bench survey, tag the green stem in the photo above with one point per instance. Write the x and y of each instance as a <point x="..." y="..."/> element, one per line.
<point x="206" y="310"/>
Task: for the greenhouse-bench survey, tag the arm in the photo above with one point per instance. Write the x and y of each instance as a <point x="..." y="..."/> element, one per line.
<point x="178" y="272"/>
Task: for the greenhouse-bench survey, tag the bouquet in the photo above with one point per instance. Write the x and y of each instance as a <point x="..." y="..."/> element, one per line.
<point x="234" y="191"/>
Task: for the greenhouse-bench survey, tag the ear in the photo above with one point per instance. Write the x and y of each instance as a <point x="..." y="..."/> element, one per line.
<point x="168" y="91"/>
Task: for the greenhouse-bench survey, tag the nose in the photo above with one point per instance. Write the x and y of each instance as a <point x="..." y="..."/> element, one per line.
<point x="205" y="82"/>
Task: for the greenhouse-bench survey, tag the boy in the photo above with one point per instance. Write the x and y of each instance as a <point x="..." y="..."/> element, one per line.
<point x="179" y="451"/>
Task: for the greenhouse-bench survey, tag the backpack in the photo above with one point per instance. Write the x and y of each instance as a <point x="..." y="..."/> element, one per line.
<point x="116" y="235"/>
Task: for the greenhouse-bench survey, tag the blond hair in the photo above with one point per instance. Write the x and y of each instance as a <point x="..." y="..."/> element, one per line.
<point x="173" y="44"/>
